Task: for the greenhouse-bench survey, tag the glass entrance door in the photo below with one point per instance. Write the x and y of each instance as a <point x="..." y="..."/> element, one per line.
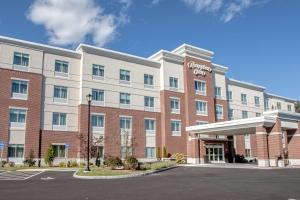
<point x="215" y="153"/>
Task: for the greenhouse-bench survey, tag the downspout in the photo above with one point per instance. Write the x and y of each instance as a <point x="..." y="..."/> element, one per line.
<point x="41" y="112"/>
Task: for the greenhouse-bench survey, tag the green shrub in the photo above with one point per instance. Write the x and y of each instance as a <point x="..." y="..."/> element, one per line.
<point x="49" y="158"/>
<point x="3" y="163"/>
<point x="131" y="163"/>
<point x="81" y="164"/>
<point x="179" y="158"/>
<point x="98" y="161"/>
<point x="72" y="163"/>
<point x="10" y="164"/>
<point x="158" y="165"/>
<point x="165" y="153"/>
<point x="62" y="164"/>
<point x="158" y="153"/>
<point x="113" y="162"/>
<point x="29" y="161"/>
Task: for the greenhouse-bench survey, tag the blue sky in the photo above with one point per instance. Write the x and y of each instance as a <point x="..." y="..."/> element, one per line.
<point x="259" y="40"/>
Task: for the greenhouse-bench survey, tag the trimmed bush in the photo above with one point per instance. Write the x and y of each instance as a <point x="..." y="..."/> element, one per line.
<point x="62" y="164"/>
<point x="10" y="164"/>
<point x="131" y="163"/>
<point x="3" y="163"/>
<point x="29" y="161"/>
<point x="113" y="162"/>
<point x="49" y="158"/>
<point x="158" y="153"/>
<point x="98" y="161"/>
<point x="72" y="163"/>
<point x="179" y="158"/>
<point x="165" y="153"/>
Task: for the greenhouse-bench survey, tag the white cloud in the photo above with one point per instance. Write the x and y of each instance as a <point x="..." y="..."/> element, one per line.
<point x="206" y="5"/>
<point x="235" y="8"/>
<point x="70" y="22"/>
<point x="154" y="2"/>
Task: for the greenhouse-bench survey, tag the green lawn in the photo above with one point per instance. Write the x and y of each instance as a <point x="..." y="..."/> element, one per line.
<point x="104" y="172"/>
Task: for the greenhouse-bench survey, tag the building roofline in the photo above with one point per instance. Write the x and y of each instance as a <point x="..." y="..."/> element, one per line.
<point x="281" y="97"/>
<point x="168" y="56"/>
<point x="39" y="46"/>
<point x="247" y="84"/>
<point x="193" y="47"/>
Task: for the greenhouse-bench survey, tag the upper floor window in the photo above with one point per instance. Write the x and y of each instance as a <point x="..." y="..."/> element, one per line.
<point x="256" y="101"/>
<point x="278" y="106"/>
<point x="201" y="107"/>
<point x="61" y="68"/>
<point x="149" y="102"/>
<point x="60" y="93"/>
<point x="289" y="108"/>
<point x="229" y="95"/>
<point x="148" y="80"/>
<point x="201" y="122"/>
<point x="97" y="95"/>
<point x="219" y="111"/>
<point x="230" y="114"/>
<point x="125" y="123"/>
<point x="244" y="114"/>
<point x="21" y="59"/>
<point x="218" y="92"/>
<point x="125" y="98"/>
<point x="97" y="122"/>
<point x="150" y="126"/>
<point x="257" y="114"/>
<point x="176" y="127"/>
<point x="59" y="120"/>
<point x="175" y="105"/>
<point x="244" y="99"/>
<point x="267" y="105"/>
<point x="17" y="117"/>
<point x="200" y="87"/>
<point x="124" y="75"/>
<point x="19" y="89"/>
<point x="173" y="82"/>
<point x="98" y="72"/>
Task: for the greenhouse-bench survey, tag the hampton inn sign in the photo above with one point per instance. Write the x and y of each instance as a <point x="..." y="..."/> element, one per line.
<point x="199" y="69"/>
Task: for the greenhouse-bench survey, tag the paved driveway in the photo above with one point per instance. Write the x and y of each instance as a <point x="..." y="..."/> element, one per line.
<point x="180" y="183"/>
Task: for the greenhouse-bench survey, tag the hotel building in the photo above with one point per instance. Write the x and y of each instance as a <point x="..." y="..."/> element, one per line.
<point x="175" y="101"/>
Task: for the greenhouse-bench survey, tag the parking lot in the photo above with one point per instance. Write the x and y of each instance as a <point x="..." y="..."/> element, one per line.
<point x="178" y="183"/>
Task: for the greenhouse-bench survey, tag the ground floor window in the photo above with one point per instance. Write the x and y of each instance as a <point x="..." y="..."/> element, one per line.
<point x="16" y="151"/>
<point x="126" y="151"/>
<point x="97" y="150"/>
<point x="150" y="152"/>
<point x="247" y="153"/>
<point x="59" y="151"/>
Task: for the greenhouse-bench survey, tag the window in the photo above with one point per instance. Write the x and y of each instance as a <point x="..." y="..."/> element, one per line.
<point x="17" y="117"/>
<point x="149" y="102"/>
<point x="98" y="72"/>
<point x="60" y="93"/>
<point x="244" y="99"/>
<point x="97" y="95"/>
<point x="257" y="114"/>
<point x="15" y="151"/>
<point x="19" y="89"/>
<point x="256" y="100"/>
<point x="124" y="75"/>
<point x="150" y="152"/>
<point x="218" y="92"/>
<point x="201" y="122"/>
<point x="278" y="106"/>
<point x="176" y="128"/>
<point x="61" y="68"/>
<point x="175" y="105"/>
<point x="125" y="123"/>
<point x="247" y="153"/>
<point x="59" y="151"/>
<point x="97" y="121"/>
<point x="244" y="114"/>
<point x="230" y="114"/>
<point x="124" y="98"/>
<point x="289" y="108"/>
<point x="126" y="151"/>
<point x="200" y="87"/>
<point x="173" y="82"/>
<point x="150" y="126"/>
<point x="229" y="95"/>
<point x="267" y="105"/>
<point x="59" y="120"/>
<point x="148" y="80"/>
<point x="21" y="61"/>
<point x="201" y="107"/>
<point x="219" y="111"/>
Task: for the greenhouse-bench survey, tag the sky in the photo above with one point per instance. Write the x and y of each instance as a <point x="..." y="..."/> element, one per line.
<point x="259" y="40"/>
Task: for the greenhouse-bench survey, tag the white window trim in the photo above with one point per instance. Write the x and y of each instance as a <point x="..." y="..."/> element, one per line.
<point x="173" y="88"/>
<point x="17" y="125"/>
<point x="18" y="95"/>
<point x="200" y="92"/>
<point x="58" y="100"/>
<point x="62" y="74"/>
<point x="129" y="130"/>
<point x="232" y="117"/>
<point x="221" y="93"/>
<point x="60" y="127"/>
<point x="98" y="103"/>
<point x="125" y="82"/>
<point x="220" y="117"/>
<point x="21" y="67"/>
<point x="176" y="133"/>
<point x="175" y="111"/>
<point x="98" y="130"/>
<point x="123" y="105"/>
<point x="148" y="85"/>
<point x="150" y="132"/>
<point x="201" y="113"/>
<point x="98" y="78"/>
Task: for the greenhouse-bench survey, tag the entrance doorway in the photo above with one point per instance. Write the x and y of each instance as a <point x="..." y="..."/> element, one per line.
<point x="215" y="153"/>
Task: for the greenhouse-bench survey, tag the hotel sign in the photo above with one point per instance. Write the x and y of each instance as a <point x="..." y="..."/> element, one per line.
<point x="199" y="69"/>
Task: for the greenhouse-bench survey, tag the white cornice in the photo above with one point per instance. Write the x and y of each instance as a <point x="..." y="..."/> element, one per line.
<point x="220" y="68"/>
<point x="245" y="84"/>
<point x="167" y="56"/>
<point x="281" y="97"/>
<point x="189" y="50"/>
<point x="293" y="116"/>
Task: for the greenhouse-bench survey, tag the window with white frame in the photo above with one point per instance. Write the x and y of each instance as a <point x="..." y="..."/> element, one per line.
<point x="149" y="103"/>
<point x="59" y="121"/>
<point x="60" y="93"/>
<point x="218" y="92"/>
<point x="15" y="150"/>
<point x="230" y="114"/>
<point x="125" y="98"/>
<point x="201" y="122"/>
<point x="278" y="106"/>
<point x="125" y="123"/>
<point x="289" y="108"/>
<point x="175" y="105"/>
<point x="176" y="127"/>
<point x="257" y="114"/>
<point x="244" y="114"/>
<point x="148" y="80"/>
<point x="124" y="75"/>
<point x="150" y="152"/>
<point x="59" y="150"/>
<point x="150" y="126"/>
<point x="200" y="87"/>
<point x="219" y="111"/>
<point x="61" y="68"/>
<point x="248" y="153"/>
<point x="97" y="123"/>
<point x="267" y="105"/>
<point x="97" y="95"/>
<point x="17" y="117"/>
<point x="98" y="72"/>
<point x="173" y="83"/>
<point x="21" y="59"/>
<point x="256" y="101"/>
<point x="19" y="89"/>
<point x="201" y="107"/>
<point x="229" y="95"/>
<point x="244" y="99"/>
<point x="126" y="151"/>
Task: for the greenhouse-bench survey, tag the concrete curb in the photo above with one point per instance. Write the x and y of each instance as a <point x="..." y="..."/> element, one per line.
<point x="237" y="167"/>
<point x="49" y="169"/>
<point x="122" y="176"/>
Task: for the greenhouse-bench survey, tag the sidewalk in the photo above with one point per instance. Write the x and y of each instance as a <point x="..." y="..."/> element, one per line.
<point x="236" y="166"/>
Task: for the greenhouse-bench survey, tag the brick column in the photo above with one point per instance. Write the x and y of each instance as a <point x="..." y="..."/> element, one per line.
<point x="275" y="143"/>
<point x="294" y="146"/>
<point x="262" y="147"/>
<point x="193" y="149"/>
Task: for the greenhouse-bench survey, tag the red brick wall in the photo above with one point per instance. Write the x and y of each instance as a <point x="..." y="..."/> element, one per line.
<point x="261" y="142"/>
<point x="33" y="104"/>
<point x="240" y="145"/>
<point x="294" y="143"/>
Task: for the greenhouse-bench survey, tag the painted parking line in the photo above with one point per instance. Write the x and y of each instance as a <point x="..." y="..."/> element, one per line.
<point x="18" y="175"/>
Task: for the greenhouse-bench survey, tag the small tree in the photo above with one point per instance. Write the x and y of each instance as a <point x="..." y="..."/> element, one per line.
<point x="165" y="153"/>
<point x="49" y="158"/>
<point x="98" y="162"/>
<point x="158" y="153"/>
<point x="30" y="159"/>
